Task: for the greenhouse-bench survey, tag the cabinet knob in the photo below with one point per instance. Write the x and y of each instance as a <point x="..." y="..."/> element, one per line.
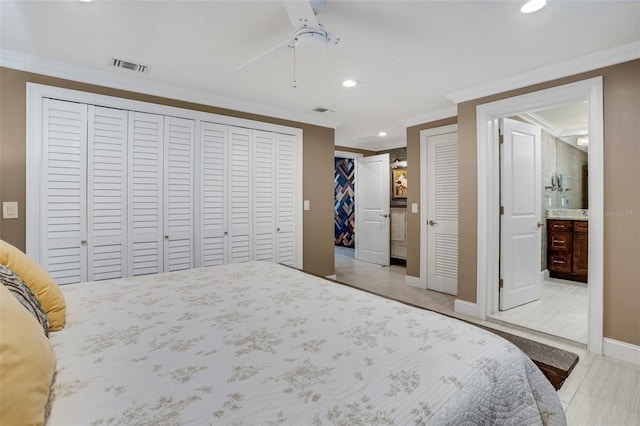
<point x="166" y="237"/>
<point x="83" y="242"/>
<point x="278" y="229"/>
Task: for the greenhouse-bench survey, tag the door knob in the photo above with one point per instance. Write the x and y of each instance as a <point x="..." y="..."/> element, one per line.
<point x="166" y="237"/>
<point x="540" y="224"/>
<point x="384" y="215"/>
<point x="432" y="223"/>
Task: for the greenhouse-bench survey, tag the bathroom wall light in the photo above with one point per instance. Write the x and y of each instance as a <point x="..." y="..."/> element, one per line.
<point x="533" y="6"/>
<point x="582" y="140"/>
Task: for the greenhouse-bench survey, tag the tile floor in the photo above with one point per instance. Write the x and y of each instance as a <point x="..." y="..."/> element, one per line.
<point x="561" y="311"/>
<point x="600" y="391"/>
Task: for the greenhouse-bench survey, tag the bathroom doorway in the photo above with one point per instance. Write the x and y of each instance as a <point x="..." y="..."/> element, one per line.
<point x="556" y="301"/>
<point x="488" y="219"/>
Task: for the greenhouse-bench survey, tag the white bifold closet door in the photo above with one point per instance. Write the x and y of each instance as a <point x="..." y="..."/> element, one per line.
<point x="213" y="193"/>
<point x="145" y="194"/>
<point x="84" y="187"/>
<point x="285" y="199"/>
<point x="107" y="193"/>
<point x="274" y="186"/>
<point x="160" y="193"/>
<point x="264" y="196"/>
<point x="179" y="194"/>
<point x="239" y="197"/>
<point x="64" y="191"/>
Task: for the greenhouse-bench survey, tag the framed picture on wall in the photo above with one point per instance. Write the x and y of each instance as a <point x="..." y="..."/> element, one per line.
<point x="399" y="183"/>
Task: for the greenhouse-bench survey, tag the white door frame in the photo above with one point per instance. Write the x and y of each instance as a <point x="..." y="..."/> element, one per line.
<point x="424" y="134"/>
<point x="489" y="196"/>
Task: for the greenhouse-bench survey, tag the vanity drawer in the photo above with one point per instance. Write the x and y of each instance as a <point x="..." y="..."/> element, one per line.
<point x="560" y="262"/>
<point x="581" y="226"/>
<point x="560" y="241"/>
<point x="560" y="225"/>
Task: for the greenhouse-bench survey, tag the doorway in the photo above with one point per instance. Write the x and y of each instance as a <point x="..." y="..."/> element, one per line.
<point x="544" y="221"/>
<point x="488" y="265"/>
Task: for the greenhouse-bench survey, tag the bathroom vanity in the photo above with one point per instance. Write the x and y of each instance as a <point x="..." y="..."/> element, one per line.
<point x="568" y="246"/>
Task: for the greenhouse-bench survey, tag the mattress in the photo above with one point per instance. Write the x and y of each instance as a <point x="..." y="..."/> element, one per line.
<point x="261" y="343"/>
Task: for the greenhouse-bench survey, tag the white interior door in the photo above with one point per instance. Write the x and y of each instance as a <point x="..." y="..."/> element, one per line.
<point x="520" y="224"/>
<point x="442" y="213"/>
<point x="373" y="190"/>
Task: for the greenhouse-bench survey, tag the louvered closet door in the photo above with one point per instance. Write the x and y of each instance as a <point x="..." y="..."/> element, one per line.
<point x="264" y="196"/>
<point x="442" y="213"/>
<point x="178" y="190"/>
<point x="286" y="199"/>
<point x="64" y="189"/>
<point x="145" y="215"/>
<point x="107" y="193"/>
<point x="213" y="193"/>
<point x="240" y="193"/>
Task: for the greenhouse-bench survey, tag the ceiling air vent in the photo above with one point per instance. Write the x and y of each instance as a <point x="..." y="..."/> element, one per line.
<point x="128" y="65"/>
<point x="320" y="109"/>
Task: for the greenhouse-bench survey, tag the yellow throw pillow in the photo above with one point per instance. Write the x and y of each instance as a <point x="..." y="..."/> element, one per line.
<point x="27" y="364"/>
<point x="39" y="281"/>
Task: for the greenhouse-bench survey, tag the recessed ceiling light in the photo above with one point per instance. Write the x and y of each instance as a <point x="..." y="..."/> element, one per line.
<point x="382" y="134"/>
<point x="350" y="83"/>
<point x="533" y="6"/>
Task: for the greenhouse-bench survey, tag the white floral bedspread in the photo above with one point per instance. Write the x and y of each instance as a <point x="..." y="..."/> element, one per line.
<point x="263" y="344"/>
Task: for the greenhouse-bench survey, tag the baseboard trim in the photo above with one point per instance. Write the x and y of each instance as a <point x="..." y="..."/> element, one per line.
<point x="544" y="275"/>
<point x="621" y="350"/>
<point x="332" y="277"/>
<point x="465" y="308"/>
<point x="413" y="281"/>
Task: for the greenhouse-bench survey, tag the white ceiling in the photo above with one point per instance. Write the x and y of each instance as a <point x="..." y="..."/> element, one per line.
<point x="445" y="47"/>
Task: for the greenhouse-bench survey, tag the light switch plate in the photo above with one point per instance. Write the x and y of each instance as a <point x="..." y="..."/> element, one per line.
<point x="9" y="209"/>
<point x="306" y="205"/>
<point x="414" y="207"/>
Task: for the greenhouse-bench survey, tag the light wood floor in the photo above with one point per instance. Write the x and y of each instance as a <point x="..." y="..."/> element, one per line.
<point x="600" y="391"/>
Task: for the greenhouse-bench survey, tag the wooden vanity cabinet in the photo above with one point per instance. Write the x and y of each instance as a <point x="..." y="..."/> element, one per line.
<point x="567" y="249"/>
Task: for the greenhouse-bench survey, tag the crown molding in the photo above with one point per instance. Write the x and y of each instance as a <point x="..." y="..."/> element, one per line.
<point x="557" y="132"/>
<point x="601" y="59"/>
<point x="430" y="117"/>
<point x="22" y="62"/>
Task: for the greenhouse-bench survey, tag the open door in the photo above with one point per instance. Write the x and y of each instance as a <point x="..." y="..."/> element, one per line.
<point x="373" y="188"/>
<point x="521" y="221"/>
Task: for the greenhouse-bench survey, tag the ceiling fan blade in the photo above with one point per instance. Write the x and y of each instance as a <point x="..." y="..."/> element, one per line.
<point x="263" y="54"/>
<point x="301" y="13"/>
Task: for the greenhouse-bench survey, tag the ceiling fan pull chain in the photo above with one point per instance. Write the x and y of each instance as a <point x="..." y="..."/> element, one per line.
<point x="294" y="84"/>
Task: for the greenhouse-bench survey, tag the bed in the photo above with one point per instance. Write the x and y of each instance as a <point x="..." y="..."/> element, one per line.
<point x="261" y="343"/>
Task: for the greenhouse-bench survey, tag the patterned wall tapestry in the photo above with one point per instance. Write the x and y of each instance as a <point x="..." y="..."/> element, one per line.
<point x="344" y="209"/>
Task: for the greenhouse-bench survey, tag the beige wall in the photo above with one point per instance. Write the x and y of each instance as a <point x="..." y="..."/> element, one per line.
<point x="318" y="165"/>
<point x="621" y="196"/>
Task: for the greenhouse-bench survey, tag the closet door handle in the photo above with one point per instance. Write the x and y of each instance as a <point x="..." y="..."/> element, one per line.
<point x="166" y="237"/>
<point x="432" y="223"/>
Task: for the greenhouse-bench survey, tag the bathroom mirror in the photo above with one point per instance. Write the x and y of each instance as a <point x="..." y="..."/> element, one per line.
<point x="565" y="165"/>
